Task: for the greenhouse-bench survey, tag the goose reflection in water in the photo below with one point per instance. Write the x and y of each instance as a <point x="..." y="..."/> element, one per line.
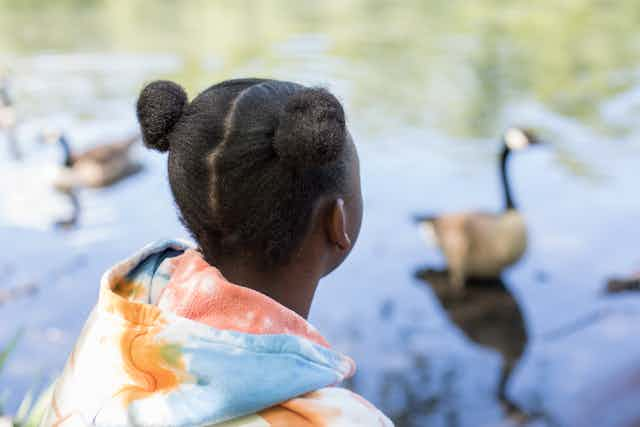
<point x="70" y="221"/>
<point x="490" y="316"/>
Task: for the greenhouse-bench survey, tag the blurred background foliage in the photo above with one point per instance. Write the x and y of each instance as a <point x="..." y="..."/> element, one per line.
<point x="463" y="59"/>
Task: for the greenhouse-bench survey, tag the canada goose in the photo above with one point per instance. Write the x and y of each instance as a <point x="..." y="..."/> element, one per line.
<point x="8" y="120"/>
<point x="489" y="316"/>
<point x="101" y="166"/>
<point x="478" y="244"/>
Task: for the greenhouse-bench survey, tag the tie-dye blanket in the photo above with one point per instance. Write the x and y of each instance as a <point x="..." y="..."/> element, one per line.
<point x="172" y="343"/>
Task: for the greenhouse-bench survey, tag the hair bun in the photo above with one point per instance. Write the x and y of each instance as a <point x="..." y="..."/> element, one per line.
<point x="311" y="130"/>
<point x="159" y="107"/>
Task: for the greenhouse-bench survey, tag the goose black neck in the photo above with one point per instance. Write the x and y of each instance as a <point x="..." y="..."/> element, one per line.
<point x="66" y="150"/>
<point x="506" y="187"/>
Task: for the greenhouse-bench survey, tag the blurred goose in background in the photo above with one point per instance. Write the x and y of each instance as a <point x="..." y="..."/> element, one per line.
<point x="8" y="119"/>
<point x="101" y="166"/>
<point x="478" y="244"/>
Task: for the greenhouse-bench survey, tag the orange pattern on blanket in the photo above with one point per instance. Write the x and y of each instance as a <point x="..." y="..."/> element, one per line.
<point x="153" y="365"/>
<point x="311" y="407"/>
<point x="132" y="311"/>
<point x="282" y="417"/>
<point x="129" y="289"/>
<point x="60" y="418"/>
<point x="199" y="292"/>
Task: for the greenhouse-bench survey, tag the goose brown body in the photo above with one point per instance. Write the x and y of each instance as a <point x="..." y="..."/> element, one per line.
<point x="101" y="166"/>
<point x="478" y="244"/>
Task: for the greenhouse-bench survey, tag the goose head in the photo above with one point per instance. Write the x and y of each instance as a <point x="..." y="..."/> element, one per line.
<point x="517" y="139"/>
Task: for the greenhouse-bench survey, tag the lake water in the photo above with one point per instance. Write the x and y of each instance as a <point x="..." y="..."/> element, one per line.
<point x="428" y="88"/>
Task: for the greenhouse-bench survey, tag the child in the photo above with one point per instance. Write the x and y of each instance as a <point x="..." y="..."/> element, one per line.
<point x="266" y="178"/>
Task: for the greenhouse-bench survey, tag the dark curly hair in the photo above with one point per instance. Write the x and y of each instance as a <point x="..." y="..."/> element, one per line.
<point x="248" y="158"/>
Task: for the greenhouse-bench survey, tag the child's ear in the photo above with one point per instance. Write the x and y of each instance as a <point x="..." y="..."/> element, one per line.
<point x="337" y="226"/>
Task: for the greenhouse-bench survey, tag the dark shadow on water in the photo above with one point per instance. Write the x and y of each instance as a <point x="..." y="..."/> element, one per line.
<point x="628" y="284"/>
<point x="488" y="315"/>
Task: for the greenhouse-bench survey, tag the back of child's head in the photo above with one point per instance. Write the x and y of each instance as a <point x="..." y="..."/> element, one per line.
<point x="248" y="159"/>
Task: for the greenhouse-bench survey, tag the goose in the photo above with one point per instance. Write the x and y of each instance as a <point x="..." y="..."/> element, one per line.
<point x="101" y="166"/>
<point x="478" y="244"/>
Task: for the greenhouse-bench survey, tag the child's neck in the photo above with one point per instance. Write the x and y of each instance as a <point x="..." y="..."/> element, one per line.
<point x="290" y="286"/>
